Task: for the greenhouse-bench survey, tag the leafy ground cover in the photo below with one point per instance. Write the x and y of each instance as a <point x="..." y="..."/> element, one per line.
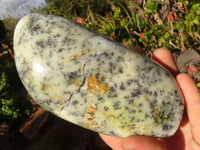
<point x="150" y="24"/>
<point x="173" y="24"/>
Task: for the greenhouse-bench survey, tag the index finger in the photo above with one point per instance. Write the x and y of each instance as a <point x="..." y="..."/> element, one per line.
<point x="164" y="57"/>
<point x="192" y="102"/>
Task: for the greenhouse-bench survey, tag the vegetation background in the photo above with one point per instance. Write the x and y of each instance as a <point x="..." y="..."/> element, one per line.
<point x="150" y="24"/>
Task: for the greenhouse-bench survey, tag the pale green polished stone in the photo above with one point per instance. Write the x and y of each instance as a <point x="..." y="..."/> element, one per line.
<point x="94" y="82"/>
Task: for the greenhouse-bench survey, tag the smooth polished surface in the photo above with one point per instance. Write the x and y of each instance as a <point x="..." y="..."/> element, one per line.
<point x="93" y="82"/>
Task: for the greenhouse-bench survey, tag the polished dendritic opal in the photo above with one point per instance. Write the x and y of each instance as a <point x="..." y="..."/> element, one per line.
<point x="94" y="82"/>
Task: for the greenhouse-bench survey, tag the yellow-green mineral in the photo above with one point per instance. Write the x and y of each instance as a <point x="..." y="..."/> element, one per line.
<point x="94" y="82"/>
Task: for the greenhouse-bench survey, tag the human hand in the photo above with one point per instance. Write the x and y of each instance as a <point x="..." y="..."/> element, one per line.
<point x="187" y="136"/>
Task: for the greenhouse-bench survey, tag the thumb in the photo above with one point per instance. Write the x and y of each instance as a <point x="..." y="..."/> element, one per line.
<point x="142" y="143"/>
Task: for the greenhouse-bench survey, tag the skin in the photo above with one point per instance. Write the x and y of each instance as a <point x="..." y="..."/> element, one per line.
<point x="187" y="136"/>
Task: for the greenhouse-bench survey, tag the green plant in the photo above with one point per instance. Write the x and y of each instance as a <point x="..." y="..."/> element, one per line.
<point x="9" y="25"/>
<point x="8" y="111"/>
<point x="151" y="6"/>
<point x="198" y="85"/>
<point x="12" y="107"/>
<point x="70" y="8"/>
<point x="3" y="31"/>
<point x="3" y="84"/>
<point x="129" y="20"/>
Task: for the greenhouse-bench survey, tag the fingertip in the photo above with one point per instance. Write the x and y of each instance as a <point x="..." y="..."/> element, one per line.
<point x="164" y="57"/>
<point x="187" y="85"/>
<point x="161" y="51"/>
<point x="186" y="78"/>
<point x="192" y="102"/>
